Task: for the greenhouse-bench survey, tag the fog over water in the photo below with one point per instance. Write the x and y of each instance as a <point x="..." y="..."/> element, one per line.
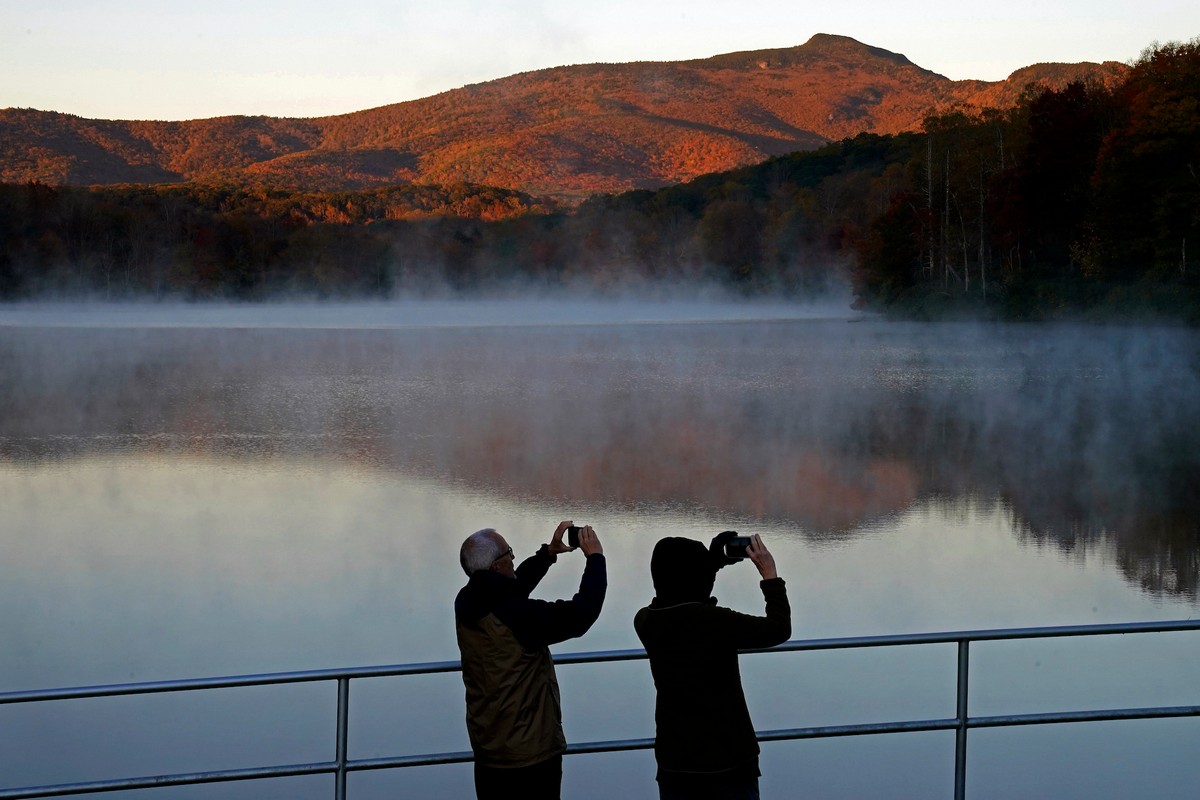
<point x="197" y="490"/>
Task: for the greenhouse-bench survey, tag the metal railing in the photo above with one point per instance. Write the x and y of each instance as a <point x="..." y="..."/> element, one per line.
<point x="342" y="764"/>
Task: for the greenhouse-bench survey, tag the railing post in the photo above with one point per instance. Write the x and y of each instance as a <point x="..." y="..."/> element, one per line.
<point x="343" y="726"/>
<point x="960" y="738"/>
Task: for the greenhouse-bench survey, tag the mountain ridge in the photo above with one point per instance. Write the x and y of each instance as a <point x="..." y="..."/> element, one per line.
<point x="565" y="132"/>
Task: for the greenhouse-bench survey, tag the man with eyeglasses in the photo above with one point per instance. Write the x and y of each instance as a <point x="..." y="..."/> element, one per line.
<point x="513" y="714"/>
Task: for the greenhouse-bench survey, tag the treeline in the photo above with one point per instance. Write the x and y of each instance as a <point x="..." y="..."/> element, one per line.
<point x="1077" y="201"/>
<point x="206" y="241"/>
<point x="1083" y="200"/>
<point x="780" y="226"/>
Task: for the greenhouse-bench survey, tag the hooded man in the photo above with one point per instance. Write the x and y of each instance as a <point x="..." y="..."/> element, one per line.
<point x="705" y="743"/>
<point x="513" y="715"/>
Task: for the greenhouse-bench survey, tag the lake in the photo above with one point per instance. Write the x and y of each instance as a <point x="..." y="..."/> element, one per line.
<point x="192" y="491"/>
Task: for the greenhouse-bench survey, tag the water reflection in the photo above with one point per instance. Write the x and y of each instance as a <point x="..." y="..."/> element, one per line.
<point x="195" y="501"/>
<point x="1088" y="435"/>
<point x="128" y="566"/>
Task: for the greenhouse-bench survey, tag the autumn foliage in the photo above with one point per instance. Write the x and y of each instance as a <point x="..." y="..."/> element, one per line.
<point x="1079" y="200"/>
<point x="567" y="132"/>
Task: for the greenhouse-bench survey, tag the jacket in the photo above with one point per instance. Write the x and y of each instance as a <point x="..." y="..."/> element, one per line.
<point x="513" y="710"/>
<point x="703" y="727"/>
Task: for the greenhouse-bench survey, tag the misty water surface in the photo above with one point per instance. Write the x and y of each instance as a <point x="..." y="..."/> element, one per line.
<point x="196" y="491"/>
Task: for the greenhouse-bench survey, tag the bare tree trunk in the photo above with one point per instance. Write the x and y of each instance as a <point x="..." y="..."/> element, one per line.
<point x="966" y="261"/>
<point x="946" y="227"/>
<point x="929" y="201"/>
<point x="982" y="251"/>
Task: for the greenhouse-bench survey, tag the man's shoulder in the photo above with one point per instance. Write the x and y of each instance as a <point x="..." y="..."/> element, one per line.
<point x="469" y="605"/>
<point x="482" y="594"/>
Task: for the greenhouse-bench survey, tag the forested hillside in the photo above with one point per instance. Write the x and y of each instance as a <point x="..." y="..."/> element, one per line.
<point x="1080" y="200"/>
<point x="1084" y="200"/>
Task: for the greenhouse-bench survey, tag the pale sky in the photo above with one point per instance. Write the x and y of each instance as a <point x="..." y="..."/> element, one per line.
<point x="164" y="59"/>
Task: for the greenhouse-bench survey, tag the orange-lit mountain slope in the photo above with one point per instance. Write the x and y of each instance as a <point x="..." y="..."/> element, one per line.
<point x="566" y="132"/>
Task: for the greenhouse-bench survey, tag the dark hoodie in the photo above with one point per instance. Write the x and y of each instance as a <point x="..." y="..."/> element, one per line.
<point x="703" y="728"/>
<point x="513" y="714"/>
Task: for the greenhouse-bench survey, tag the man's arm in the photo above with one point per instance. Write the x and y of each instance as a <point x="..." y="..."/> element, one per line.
<point x="533" y="569"/>
<point x="538" y="623"/>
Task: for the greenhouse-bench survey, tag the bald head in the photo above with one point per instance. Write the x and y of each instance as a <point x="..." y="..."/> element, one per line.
<point x="480" y="550"/>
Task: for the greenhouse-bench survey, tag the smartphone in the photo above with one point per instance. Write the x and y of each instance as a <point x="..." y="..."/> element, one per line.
<point x="573" y="536"/>
<point x="736" y="547"/>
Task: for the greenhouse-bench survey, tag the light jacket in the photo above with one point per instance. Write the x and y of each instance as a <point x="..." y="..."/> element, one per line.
<point x="513" y="710"/>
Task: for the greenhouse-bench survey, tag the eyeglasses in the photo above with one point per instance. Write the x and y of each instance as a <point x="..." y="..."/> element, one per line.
<point x="506" y="554"/>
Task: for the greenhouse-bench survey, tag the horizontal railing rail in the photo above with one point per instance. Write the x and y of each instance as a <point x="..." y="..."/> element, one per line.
<point x="342" y="764"/>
